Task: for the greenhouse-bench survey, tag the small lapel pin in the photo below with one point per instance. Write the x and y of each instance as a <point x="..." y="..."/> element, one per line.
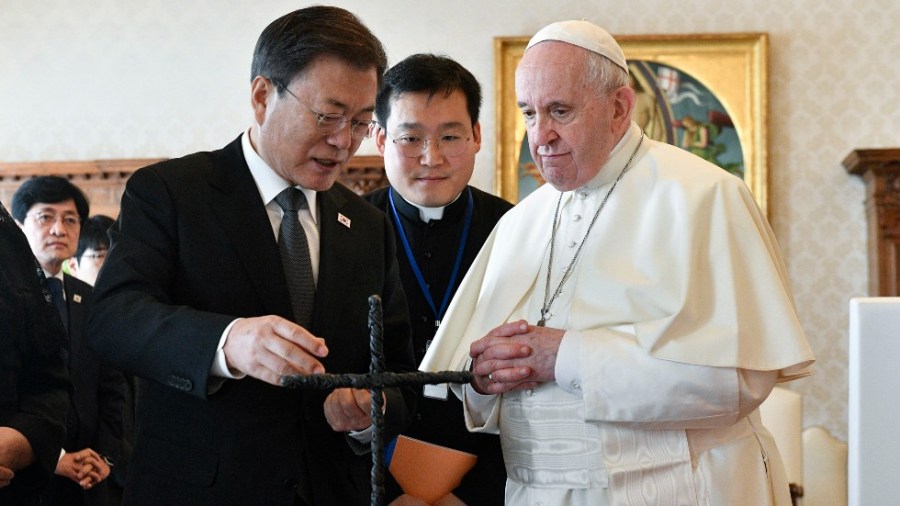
<point x="76" y="298"/>
<point x="345" y="221"/>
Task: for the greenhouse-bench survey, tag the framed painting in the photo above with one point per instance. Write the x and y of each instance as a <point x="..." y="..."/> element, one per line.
<point x="706" y="93"/>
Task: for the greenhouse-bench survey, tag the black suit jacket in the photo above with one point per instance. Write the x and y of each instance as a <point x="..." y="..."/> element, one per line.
<point x="34" y="383"/>
<point x="95" y="417"/>
<point x="435" y="246"/>
<point x="98" y="403"/>
<point x="192" y="250"/>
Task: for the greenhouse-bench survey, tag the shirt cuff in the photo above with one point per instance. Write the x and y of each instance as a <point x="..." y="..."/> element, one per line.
<point x="476" y="401"/>
<point x="219" y="366"/>
<point x="363" y="436"/>
<point x="568" y="358"/>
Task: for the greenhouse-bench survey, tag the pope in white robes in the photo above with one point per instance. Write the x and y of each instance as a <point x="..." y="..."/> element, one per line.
<point x="669" y="320"/>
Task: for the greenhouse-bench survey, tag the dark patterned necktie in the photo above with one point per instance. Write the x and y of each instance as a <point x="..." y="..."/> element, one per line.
<point x="56" y="289"/>
<point x="295" y="256"/>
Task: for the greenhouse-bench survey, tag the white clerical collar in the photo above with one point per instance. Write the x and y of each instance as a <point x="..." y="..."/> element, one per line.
<point x="427" y="214"/>
<point x="267" y="181"/>
<point x="618" y="157"/>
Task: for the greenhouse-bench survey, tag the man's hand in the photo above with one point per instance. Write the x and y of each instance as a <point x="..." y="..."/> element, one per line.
<point x="84" y="467"/>
<point x="348" y="409"/>
<point x="513" y="356"/>
<point x="6" y="476"/>
<point x="269" y="347"/>
<point x="408" y="500"/>
<point x="15" y="450"/>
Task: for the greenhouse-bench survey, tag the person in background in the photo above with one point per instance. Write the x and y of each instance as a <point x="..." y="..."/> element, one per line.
<point x="51" y="210"/>
<point x="624" y="321"/>
<point x="34" y="383"/>
<point x="93" y="245"/>
<point x="233" y="268"/>
<point x="429" y="135"/>
<point x="92" y="248"/>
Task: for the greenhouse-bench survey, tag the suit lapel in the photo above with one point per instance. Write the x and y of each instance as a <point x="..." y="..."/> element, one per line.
<point x="242" y="216"/>
<point x="76" y="298"/>
<point x="333" y="271"/>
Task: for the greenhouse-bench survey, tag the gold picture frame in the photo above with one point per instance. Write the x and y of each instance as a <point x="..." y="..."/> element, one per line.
<point x="732" y="66"/>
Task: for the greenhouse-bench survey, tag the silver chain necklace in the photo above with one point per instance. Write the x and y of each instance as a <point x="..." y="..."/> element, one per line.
<point x="545" y="310"/>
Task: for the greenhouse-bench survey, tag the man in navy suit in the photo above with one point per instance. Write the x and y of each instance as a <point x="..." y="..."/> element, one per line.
<point x="194" y="296"/>
<point x="50" y="210"/>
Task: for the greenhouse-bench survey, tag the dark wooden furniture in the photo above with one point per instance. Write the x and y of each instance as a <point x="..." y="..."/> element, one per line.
<point x="103" y="181"/>
<point x="880" y="169"/>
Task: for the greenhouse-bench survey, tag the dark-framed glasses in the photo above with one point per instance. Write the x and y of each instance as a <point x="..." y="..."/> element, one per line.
<point x="332" y="123"/>
<point x="414" y="146"/>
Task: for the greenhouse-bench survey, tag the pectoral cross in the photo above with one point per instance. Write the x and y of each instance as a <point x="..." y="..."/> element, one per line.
<point x="545" y="315"/>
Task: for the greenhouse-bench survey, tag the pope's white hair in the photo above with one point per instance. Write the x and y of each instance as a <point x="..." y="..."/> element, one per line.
<point x="603" y="73"/>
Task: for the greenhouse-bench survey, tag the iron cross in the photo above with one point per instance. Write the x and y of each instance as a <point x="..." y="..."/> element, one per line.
<point x="375" y="381"/>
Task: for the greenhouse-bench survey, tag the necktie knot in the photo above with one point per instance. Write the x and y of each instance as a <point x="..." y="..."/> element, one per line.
<point x="291" y="200"/>
<point x="55" y="286"/>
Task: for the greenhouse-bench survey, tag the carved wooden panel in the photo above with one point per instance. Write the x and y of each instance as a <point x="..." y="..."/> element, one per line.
<point x="103" y="181"/>
<point x="880" y="169"/>
<point x="364" y="174"/>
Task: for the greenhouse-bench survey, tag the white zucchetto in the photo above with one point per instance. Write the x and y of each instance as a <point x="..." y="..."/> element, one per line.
<point x="582" y="34"/>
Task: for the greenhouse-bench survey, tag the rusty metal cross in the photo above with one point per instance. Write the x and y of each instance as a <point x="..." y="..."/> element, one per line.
<point x="375" y="381"/>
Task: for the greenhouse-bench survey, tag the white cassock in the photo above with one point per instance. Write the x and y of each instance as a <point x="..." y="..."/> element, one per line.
<point x="678" y="320"/>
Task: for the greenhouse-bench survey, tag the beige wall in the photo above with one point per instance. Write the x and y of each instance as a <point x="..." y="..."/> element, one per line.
<point x="111" y="79"/>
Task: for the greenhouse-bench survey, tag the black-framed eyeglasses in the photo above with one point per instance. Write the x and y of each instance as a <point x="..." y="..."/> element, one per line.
<point x="414" y="146"/>
<point x="332" y="123"/>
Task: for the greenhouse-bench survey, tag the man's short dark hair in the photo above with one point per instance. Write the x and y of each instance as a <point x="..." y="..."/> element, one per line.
<point x="47" y="190"/>
<point x="294" y="41"/>
<point x="432" y="74"/>
<point x="94" y="234"/>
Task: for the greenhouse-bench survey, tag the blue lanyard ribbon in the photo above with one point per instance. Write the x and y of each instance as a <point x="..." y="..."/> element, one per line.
<point x="464" y="236"/>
